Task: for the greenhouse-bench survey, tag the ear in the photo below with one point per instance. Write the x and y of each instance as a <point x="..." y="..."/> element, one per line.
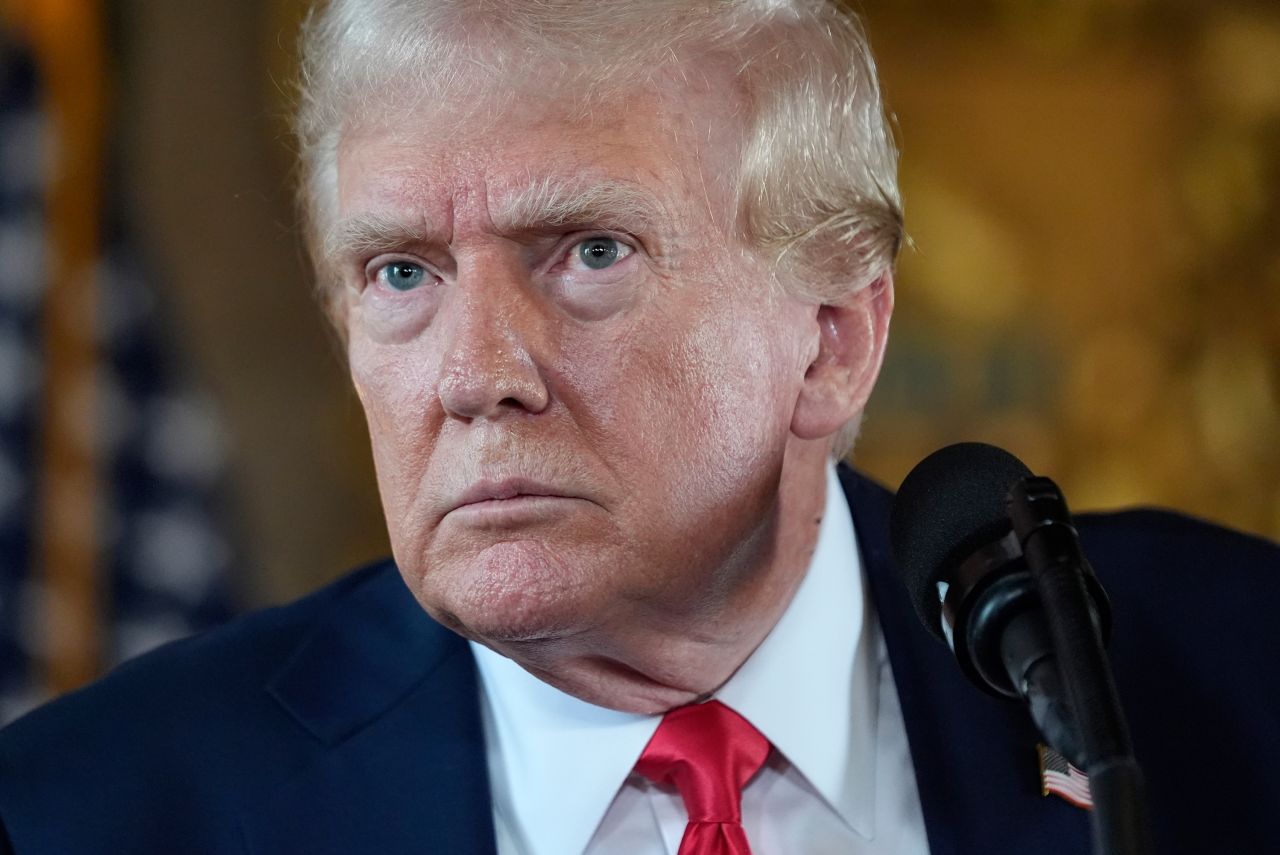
<point x="851" y="342"/>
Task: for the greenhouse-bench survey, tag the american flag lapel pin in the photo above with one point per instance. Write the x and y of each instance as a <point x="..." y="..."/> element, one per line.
<point x="1059" y="777"/>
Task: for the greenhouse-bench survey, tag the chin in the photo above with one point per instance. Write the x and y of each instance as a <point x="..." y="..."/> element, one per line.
<point x="515" y="591"/>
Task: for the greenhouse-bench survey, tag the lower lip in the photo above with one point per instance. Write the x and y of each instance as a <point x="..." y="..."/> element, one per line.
<point x="518" y="510"/>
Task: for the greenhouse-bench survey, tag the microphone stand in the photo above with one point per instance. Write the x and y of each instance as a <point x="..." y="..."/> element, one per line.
<point x="1043" y="525"/>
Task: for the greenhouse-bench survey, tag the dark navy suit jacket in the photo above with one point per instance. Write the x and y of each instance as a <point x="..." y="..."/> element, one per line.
<point x="348" y="722"/>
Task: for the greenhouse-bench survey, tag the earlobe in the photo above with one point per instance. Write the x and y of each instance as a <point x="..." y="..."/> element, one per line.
<point x="851" y="342"/>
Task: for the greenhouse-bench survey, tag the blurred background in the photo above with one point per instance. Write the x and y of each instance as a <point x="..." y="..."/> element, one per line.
<point x="1092" y="187"/>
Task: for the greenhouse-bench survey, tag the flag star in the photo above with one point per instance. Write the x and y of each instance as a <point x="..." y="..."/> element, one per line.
<point x="178" y="552"/>
<point x="19" y="370"/>
<point x="23" y="259"/>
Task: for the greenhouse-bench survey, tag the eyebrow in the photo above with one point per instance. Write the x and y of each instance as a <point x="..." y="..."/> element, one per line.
<point x="555" y="203"/>
<point x="369" y="233"/>
<point x="548" y="204"/>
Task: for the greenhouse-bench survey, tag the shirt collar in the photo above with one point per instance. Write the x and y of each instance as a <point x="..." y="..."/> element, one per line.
<point x="560" y="760"/>
<point x="812" y="686"/>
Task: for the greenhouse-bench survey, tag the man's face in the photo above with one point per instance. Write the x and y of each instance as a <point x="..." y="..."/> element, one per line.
<point x="578" y="385"/>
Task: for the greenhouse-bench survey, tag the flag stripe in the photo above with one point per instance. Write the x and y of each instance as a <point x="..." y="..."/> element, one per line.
<point x="1061" y="778"/>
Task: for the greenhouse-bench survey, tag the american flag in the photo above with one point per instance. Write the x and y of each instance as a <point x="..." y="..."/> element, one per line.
<point x="161" y="536"/>
<point x="1059" y="777"/>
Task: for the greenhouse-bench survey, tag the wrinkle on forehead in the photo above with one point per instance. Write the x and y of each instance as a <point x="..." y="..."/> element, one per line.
<point x="653" y="158"/>
<point x="547" y="204"/>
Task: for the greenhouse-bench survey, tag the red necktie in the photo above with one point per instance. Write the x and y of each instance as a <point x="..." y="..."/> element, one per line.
<point x="708" y="752"/>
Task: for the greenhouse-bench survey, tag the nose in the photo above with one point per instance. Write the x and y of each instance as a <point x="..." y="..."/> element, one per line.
<point x="491" y="363"/>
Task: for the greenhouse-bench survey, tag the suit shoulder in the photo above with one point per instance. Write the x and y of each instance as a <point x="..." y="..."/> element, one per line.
<point x="1168" y="542"/>
<point x="239" y="654"/>
<point x="1184" y="582"/>
<point x="182" y="720"/>
<point x="1192" y="634"/>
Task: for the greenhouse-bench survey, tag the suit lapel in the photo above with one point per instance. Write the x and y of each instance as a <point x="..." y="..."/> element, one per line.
<point x="974" y="755"/>
<point x="391" y="702"/>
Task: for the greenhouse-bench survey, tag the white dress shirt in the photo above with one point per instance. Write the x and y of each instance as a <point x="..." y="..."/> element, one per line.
<point x="839" y="780"/>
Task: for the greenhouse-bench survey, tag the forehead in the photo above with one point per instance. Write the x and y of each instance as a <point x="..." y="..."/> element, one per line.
<point x="679" y="141"/>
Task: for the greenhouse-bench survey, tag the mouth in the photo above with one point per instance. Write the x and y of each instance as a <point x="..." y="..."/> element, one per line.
<point x="511" y="501"/>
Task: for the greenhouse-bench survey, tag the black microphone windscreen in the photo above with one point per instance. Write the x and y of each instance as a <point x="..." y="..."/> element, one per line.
<point x="950" y="505"/>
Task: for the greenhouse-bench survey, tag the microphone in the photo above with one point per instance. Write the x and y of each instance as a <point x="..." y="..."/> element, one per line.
<point x="992" y="563"/>
<point x="966" y="575"/>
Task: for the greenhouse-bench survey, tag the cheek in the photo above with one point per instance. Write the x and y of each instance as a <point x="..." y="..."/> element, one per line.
<point x="731" y="387"/>
<point x="695" y="398"/>
<point x="732" y="429"/>
<point x="744" y="390"/>
<point x="395" y="391"/>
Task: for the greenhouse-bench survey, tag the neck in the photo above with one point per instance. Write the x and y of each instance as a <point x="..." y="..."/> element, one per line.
<point x="664" y="657"/>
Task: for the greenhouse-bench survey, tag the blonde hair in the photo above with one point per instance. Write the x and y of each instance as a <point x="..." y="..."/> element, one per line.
<point x="816" y="192"/>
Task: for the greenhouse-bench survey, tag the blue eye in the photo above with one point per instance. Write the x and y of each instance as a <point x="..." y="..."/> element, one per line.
<point x="601" y="252"/>
<point x="402" y="275"/>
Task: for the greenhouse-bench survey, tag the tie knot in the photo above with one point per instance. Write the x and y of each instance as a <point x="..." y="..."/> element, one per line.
<point x="709" y="753"/>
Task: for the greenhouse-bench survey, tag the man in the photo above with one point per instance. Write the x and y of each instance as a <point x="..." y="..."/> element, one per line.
<point x="615" y="283"/>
